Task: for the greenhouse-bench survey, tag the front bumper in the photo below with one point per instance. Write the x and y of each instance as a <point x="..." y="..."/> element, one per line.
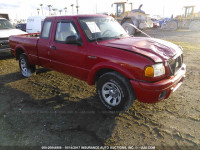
<point x="4" y="44"/>
<point x="154" y="92"/>
<point x="5" y="49"/>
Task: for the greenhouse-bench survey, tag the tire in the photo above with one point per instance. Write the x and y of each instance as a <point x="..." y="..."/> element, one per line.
<point x="115" y="91"/>
<point x="26" y="69"/>
<point x="194" y="26"/>
<point x="129" y="29"/>
<point x="172" y="25"/>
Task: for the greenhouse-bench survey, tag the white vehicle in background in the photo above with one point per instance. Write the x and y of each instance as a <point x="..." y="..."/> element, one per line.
<point x="6" y="30"/>
<point x="34" y="24"/>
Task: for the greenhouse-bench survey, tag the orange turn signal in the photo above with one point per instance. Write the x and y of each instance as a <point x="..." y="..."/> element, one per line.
<point x="149" y="71"/>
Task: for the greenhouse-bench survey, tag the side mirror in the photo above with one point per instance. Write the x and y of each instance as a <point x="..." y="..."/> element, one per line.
<point x="73" y="39"/>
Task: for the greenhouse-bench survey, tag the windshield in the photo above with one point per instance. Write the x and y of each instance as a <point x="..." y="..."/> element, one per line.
<point x="5" y="24"/>
<point x="102" y="28"/>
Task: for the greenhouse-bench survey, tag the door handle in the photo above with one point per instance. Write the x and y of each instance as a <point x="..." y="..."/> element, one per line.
<point x="53" y="47"/>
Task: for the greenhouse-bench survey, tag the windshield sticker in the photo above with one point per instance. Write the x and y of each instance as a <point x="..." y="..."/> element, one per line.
<point x="93" y="27"/>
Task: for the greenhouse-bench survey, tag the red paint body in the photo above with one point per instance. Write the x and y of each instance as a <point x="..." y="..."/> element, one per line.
<point x="129" y="56"/>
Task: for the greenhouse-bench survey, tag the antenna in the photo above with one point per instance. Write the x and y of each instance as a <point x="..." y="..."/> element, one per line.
<point x="95" y="36"/>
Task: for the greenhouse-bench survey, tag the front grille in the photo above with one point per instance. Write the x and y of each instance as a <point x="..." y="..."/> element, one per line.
<point x="1" y="39"/>
<point x="4" y="43"/>
<point x="175" y="64"/>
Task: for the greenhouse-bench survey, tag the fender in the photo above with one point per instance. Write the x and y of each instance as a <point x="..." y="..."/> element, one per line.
<point x="108" y="65"/>
<point x="20" y="46"/>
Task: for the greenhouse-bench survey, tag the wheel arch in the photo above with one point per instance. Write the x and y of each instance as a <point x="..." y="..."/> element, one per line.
<point x="19" y="50"/>
<point x="100" y="69"/>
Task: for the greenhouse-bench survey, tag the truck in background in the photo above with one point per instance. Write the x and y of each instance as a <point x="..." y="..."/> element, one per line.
<point x="34" y="24"/>
<point x="6" y="30"/>
<point x="189" y="20"/>
<point x="131" y="20"/>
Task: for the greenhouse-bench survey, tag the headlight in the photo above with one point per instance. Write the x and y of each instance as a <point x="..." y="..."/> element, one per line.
<point x="155" y="70"/>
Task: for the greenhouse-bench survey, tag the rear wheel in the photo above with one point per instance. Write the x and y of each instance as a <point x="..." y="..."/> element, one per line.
<point x="172" y="25"/>
<point x="26" y="69"/>
<point x="194" y="26"/>
<point x="115" y="91"/>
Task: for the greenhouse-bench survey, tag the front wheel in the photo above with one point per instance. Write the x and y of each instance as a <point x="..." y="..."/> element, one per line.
<point x="26" y="69"/>
<point x="115" y="91"/>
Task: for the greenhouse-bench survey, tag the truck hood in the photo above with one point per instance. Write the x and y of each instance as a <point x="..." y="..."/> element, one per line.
<point x="5" y="33"/>
<point x="155" y="49"/>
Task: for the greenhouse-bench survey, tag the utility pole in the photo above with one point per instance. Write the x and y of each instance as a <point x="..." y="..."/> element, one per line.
<point x="41" y="8"/>
<point x="65" y="10"/>
<point x="38" y="11"/>
<point x="49" y="9"/>
<point x="163" y="11"/>
<point x="77" y="6"/>
<point x="72" y="5"/>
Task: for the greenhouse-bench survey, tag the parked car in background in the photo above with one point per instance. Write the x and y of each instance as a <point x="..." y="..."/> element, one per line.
<point x="34" y="24"/>
<point x="6" y="30"/>
<point x="21" y="26"/>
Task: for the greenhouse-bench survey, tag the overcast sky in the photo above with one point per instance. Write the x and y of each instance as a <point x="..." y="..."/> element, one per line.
<point x="21" y="9"/>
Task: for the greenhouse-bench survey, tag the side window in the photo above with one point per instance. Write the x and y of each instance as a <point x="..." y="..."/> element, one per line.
<point x="64" y="30"/>
<point x="46" y="29"/>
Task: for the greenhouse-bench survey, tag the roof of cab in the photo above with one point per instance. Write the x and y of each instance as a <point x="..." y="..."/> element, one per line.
<point x="76" y="16"/>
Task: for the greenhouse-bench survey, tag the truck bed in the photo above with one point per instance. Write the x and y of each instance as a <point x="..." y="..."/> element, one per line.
<point x="26" y="42"/>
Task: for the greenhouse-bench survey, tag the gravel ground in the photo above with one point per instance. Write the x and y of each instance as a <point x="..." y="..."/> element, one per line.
<point x="54" y="109"/>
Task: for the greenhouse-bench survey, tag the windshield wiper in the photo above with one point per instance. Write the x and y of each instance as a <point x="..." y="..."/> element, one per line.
<point x="120" y="36"/>
<point x="107" y="38"/>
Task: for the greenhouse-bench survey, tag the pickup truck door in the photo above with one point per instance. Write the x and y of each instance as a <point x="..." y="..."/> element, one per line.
<point x="68" y="58"/>
<point x="43" y="44"/>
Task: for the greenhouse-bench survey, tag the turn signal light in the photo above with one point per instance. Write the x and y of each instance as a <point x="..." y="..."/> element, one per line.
<point x="149" y="71"/>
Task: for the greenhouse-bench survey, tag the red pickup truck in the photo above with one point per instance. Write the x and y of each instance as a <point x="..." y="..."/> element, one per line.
<point x="96" y="49"/>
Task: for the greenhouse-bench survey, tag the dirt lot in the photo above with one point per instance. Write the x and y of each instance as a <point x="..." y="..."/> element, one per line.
<point x="51" y="108"/>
